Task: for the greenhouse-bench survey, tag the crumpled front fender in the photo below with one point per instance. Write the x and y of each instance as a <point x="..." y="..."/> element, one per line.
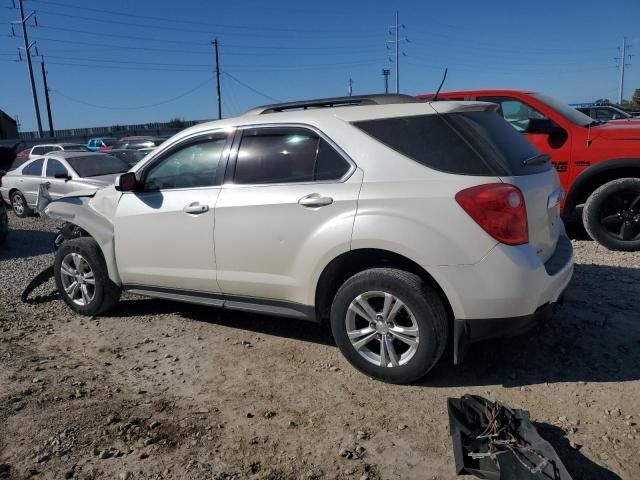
<point x="79" y="211"/>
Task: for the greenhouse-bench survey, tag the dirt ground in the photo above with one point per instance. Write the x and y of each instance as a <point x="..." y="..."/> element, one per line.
<point x="160" y="390"/>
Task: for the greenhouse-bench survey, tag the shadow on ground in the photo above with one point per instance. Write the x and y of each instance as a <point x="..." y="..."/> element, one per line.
<point x="576" y="463"/>
<point x="593" y="337"/>
<point x="26" y="243"/>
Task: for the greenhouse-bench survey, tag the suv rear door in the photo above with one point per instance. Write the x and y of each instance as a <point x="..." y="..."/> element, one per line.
<point x="287" y="208"/>
<point x="164" y="231"/>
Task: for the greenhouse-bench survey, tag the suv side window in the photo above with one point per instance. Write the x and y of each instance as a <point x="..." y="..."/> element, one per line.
<point x="286" y="155"/>
<point x="54" y="167"/>
<point x="514" y="111"/>
<point x="39" y="151"/>
<point x="192" y="165"/>
<point x="34" y="168"/>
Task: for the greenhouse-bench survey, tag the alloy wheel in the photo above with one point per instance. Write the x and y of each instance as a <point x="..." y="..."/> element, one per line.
<point x="620" y="216"/>
<point x="78" y="279"/>
<point x="18" y="204"/>
<point x="382" y="329"/>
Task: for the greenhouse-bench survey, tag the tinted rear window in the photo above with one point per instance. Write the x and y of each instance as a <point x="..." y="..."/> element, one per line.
<point x="464" y="143"/>
<point x="96" y="165"/>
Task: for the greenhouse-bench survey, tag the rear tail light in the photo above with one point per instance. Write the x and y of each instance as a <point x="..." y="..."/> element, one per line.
<point x="499" y="209"/>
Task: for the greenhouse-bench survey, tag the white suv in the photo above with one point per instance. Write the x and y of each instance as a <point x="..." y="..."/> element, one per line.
<point x="404" y="224"/>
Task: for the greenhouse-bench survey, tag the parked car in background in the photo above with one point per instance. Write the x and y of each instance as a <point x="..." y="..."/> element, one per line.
<point x="390" y="218"/>
<point x="607" y="112"/>
<point x="598" y="163"/>
<point x="129" y="155"/>
<point x="135" y="143"/>
<point x="43" y="149"/>
<point x="101" y="144"/>
<point x="65" y="171"/>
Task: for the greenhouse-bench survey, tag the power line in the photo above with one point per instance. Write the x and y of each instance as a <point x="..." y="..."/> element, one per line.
<point x="292" y="32"/>
<point x="251" y="88"/>
<point x="111" y="107"/>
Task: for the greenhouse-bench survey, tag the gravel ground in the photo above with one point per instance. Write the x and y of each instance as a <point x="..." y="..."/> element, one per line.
<point x="160" y="390"/>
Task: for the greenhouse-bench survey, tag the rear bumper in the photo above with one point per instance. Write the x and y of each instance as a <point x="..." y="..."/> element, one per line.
<point x="506" y="293"/>
<point x="467" y="332"/>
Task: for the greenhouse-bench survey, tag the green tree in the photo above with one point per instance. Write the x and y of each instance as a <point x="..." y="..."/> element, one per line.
<point x="176" y="123"/>
<point x="635" y="100"/>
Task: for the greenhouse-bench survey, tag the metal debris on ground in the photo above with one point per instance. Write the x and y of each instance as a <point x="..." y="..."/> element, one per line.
<point x="494" y="442"/>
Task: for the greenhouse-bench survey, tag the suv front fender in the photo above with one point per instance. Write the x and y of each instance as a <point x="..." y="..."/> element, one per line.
<point x="78" y="211"/>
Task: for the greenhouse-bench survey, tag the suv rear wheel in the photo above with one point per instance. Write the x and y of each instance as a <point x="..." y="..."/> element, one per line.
<point x="389" y="324"/>
<point x="82" y="278"/>
<point x="612" y="214"/>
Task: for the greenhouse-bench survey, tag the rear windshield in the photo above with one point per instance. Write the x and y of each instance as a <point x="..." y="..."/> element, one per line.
<point x="463" y="143"/>
<point x="19" y="161"/>
<point x="96" y="165"/>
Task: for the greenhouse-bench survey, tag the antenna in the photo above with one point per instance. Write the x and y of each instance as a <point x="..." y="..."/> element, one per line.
<point x="435" y="98"/>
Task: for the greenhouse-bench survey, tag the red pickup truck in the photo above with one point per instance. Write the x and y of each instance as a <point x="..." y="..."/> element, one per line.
<point x="598" y="162"/>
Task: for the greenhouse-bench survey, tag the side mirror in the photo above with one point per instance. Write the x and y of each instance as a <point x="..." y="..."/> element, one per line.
<point x="62" y="176"/>
<point x="542" y="126"/>
<point x="126" y="182"/>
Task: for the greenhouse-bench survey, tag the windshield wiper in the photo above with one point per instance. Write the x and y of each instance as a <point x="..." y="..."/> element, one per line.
<point x="537" y="159"/>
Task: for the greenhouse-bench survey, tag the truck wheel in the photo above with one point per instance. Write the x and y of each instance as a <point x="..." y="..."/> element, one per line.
<point x="389" y="324"/>
<point x="4" y="222"/>
<point x="82" y="278"/>
<point x="19" y="205"/>
<point x="611" y="214"/>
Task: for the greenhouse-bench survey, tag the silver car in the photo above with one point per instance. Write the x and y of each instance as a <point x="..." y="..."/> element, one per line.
<point x="63" y="172"/>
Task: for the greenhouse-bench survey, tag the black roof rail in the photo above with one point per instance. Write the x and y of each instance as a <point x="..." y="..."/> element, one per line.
<point x="376" y="99"/>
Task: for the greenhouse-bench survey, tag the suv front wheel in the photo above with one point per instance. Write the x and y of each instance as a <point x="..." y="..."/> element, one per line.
<point x="389" y="324"/>
<point x="82" y="278"/>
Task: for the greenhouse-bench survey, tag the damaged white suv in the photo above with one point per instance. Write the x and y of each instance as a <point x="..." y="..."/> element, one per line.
<point x="403" y="224"/>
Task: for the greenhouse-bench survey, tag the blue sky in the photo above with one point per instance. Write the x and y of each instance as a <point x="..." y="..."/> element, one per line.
<point x="124" y="61"/>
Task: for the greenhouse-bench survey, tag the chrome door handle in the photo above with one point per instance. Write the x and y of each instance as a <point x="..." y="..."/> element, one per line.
<point x="195" y="208"/>
<point x="315" y="201"/>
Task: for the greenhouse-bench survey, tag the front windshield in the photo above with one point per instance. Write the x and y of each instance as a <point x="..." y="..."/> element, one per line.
<point x="96" y="165"/>
<point x="571" y="114"/>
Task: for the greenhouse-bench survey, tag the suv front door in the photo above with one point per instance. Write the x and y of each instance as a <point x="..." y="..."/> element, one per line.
<point x="286" y="209"/>
<point x="165" y="230"/>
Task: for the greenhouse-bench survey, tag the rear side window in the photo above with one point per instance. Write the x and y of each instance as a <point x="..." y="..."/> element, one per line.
<point x="463" y="143"/>
<point x="287" y="155"/>
<point x="34" y="168"/>
<point x="54" y="167"/>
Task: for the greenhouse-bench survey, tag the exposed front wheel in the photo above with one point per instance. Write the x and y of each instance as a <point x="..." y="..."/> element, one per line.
<point x="82" y="278"/>
<point x="19" y="205"/>
<point x="611" y="214"/>
<point x="389" y="324"/>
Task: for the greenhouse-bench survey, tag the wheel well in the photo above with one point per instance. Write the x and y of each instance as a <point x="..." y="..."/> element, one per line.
<point x="584" y="189"/>
<point x="348" y="264"/>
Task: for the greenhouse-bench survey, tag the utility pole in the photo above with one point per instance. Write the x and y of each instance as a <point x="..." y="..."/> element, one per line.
<point x="46" y="97"/>
<point x="395" y="30"/>
<point x="215" y="44"/>
<point x="27" y="49"/>
<point x="622" y="59"/>
<point x="385" y="74"/>
<point x="350" y="87"/>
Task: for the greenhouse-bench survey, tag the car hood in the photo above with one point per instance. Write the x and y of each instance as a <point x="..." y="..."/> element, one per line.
<point x="616" y="130"/>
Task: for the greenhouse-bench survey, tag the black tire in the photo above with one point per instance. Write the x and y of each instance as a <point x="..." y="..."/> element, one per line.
<point x="105" y="293"/>
<point x="4" y="222"/>
<point x="421" y="300"/>
<point x="611" y="214"/>
<point x="16" y="197"/>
